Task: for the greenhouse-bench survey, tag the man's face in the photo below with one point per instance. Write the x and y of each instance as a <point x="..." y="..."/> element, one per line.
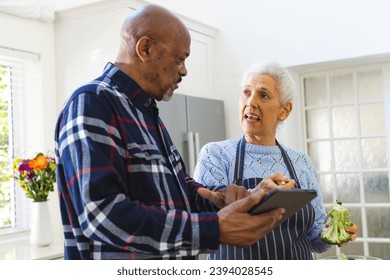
<point x="169" y="67"/>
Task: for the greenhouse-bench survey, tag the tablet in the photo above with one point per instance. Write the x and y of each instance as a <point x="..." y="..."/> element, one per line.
<point x="290" y="199"/>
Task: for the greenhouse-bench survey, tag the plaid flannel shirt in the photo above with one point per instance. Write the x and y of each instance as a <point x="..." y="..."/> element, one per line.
<point x="123" y="189"/>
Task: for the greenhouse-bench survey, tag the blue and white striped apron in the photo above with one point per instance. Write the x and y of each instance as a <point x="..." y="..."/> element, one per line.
<point x="288" y="241"/>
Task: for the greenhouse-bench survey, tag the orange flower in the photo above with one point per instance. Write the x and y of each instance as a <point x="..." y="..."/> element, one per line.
<point x="39" y="163"/>
<point x="36" y="176"/>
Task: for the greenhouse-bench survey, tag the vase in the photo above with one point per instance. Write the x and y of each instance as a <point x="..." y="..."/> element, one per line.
<point x="41" y="229"/>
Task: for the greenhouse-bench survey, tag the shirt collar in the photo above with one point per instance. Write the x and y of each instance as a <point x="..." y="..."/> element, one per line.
<point x="126" y="85"/>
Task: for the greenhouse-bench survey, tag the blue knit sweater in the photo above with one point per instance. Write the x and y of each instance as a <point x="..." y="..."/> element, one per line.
<point x="216" y="162"/>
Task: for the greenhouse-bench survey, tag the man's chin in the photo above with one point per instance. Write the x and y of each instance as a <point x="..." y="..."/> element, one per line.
<point x="167" y="96"/>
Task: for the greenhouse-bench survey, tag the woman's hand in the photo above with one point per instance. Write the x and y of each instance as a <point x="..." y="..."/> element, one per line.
<point x="353" y="231"/>
<point x="275" y="181"/>
<point x="224" y="197"/>
<point x="233" y="192"/>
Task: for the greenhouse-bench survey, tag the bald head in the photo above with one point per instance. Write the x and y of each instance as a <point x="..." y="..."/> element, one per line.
<point x="153" y="21"/>
<point x="153" y="49"/>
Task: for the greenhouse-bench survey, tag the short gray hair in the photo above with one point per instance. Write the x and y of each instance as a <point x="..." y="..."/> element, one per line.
<point x="286" y="82"/>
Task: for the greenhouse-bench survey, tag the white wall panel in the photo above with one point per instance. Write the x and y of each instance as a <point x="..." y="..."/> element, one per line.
<point x="84" y="45"/>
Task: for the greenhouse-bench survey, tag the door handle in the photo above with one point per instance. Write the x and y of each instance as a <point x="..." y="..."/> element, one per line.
<point x="191" y="152"/>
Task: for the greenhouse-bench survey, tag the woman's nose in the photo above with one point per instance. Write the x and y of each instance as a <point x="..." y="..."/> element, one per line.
<point x="251" y="102"/>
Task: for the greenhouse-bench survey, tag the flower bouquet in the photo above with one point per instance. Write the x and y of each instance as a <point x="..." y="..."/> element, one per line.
<point x="36" y="176"/>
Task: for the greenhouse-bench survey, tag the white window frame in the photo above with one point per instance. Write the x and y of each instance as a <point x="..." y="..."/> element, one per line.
<point x="26" y="135"/>
<point x="314" y="70"/>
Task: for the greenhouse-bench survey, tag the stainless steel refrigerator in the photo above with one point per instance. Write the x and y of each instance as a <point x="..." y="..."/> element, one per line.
<point x="193" y="122"/>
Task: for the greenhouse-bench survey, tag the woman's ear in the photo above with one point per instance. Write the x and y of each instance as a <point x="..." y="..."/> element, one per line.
<point x="143" y="48"/>
<point x="285" y="111"/>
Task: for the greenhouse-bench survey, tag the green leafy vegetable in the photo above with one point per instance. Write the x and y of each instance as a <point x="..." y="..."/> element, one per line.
<point x="342" y="256"/>
<point x="335" y="226"/>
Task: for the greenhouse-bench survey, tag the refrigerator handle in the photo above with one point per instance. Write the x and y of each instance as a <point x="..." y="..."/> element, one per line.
<point x="191" y="152"/>
<point x="197" y="147"/>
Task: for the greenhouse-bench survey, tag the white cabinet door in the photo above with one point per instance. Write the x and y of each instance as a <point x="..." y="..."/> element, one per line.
<point x="200" y="64"/>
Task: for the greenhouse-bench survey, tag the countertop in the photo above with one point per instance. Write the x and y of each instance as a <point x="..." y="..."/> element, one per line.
<point x="21" y="249"/>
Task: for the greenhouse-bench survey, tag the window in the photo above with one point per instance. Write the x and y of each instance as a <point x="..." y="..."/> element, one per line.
<point x="6" y="218"/>
<point x="21" y="130"/>
<point x="347" y="137"/>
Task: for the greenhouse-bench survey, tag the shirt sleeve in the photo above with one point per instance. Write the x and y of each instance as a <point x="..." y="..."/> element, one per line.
<point x="93" y="158"/>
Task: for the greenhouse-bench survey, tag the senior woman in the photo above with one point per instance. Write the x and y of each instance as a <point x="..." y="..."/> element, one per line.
<point x="265" y="102"/>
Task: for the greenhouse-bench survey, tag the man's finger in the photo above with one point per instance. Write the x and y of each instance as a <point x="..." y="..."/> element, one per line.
<point x="243" y="205"/>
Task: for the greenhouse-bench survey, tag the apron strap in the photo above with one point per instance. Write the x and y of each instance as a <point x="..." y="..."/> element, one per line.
<point x="289" y="165"/>
<point x="239" y="163"/>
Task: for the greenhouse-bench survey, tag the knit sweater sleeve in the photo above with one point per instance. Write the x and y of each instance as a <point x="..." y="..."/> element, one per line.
<point x="215" y="162"/>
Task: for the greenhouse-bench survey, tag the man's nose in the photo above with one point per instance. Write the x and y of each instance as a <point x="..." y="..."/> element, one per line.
<point x="183" y="70"/>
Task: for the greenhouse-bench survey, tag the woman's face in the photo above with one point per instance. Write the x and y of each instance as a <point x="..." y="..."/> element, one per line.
<point x="260" y="109"/>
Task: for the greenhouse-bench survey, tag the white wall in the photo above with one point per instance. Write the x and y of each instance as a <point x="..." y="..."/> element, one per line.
<point x="84" y="44"/>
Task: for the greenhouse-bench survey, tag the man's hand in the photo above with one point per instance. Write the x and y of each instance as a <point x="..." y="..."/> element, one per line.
<point x="239" y="228"/>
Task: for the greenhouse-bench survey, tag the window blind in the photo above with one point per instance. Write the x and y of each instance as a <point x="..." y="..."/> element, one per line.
<point x="25" y="123"/>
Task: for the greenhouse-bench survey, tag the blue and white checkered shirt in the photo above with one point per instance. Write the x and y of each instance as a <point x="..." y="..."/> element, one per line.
<point x="123" y="188"/>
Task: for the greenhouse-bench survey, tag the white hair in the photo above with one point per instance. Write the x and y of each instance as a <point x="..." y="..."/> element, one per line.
<point x="286" y="83"/>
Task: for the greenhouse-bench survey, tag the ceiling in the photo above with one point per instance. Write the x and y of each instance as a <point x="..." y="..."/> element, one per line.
<point x="40" y="9"/>
<point x="59" y="5"/>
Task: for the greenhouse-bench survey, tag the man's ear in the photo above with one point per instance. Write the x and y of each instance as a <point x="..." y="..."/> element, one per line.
<point x="285" y="111"/>
<point x="143" y="48"/>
